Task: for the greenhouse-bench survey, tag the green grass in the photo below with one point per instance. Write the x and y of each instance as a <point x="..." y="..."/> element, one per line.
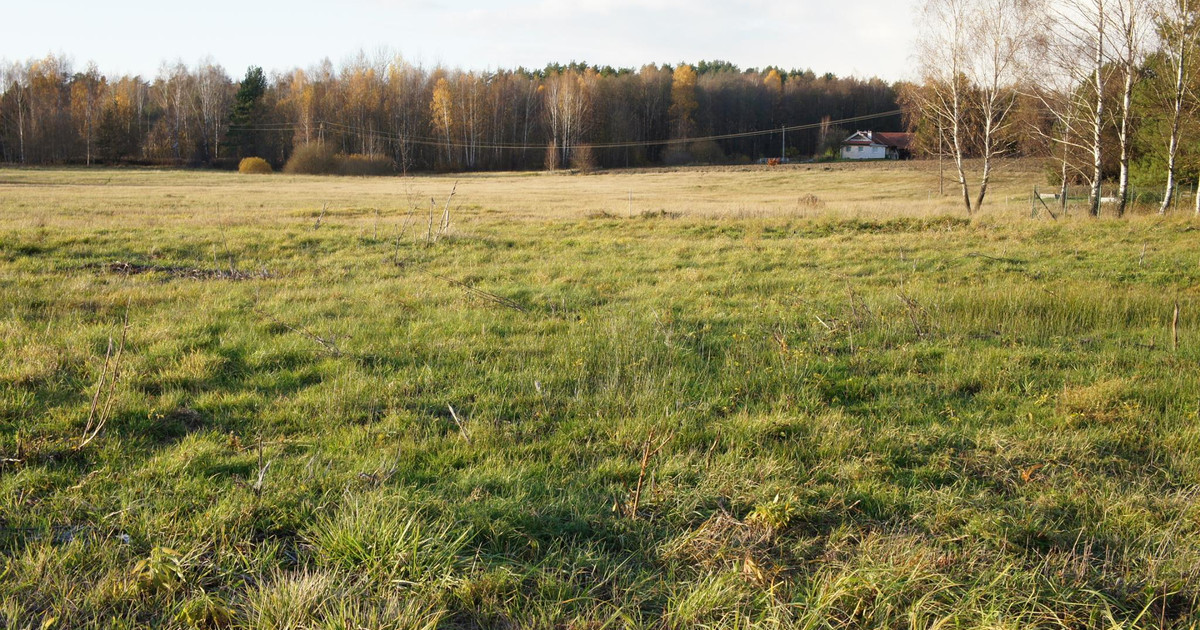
<point x="888" y="417"/>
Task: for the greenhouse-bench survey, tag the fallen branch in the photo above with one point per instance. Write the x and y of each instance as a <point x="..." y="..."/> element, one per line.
<point x="329" y="344"/>
<point x="487" y="295"/>
<point x="1011" y="261"/>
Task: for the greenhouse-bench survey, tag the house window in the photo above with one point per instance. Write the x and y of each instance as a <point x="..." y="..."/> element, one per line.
<point x="860" y="149"/>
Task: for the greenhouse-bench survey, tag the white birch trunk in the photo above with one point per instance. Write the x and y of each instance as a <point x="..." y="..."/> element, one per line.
<point x="1097" y="116"/>
<point x="1180" y="58"/>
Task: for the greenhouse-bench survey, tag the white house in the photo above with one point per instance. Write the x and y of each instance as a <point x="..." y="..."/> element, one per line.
<point x="876" y="145"/>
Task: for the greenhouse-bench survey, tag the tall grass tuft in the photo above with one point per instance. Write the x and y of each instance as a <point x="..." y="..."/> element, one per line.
<point x="377" y="536"/>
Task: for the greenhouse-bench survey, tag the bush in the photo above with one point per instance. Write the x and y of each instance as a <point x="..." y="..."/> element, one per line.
<point x="365" y="165"/>
<point x="319" y="159"/>
<point x="582" y="159"/>
<point x="254" y="166"/>
<point x="312" y="159"/>
<point x="706" y="152"/>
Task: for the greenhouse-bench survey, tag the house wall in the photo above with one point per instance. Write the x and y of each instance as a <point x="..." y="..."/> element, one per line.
<point x="867" y="153"/>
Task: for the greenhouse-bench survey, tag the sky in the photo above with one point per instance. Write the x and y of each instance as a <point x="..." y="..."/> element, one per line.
<point x="861" y="38"/>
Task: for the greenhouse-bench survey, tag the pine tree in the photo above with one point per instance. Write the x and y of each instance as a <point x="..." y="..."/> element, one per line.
<point x="244" y="139"/>
<point x="116" y="137"/>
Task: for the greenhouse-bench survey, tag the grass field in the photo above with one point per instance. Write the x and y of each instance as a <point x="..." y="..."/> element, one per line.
<point x="745" y="398"/>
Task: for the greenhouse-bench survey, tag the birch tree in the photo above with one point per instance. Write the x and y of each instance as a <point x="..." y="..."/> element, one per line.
<point x="997" y="28"/>
<point x="1060" y="79"/>
<point x="470" y="105"/>
<point x="1077" y="48"/>
<point x="362" y="86"/>
<point x="1130" y="25"/>
<point x="214" y="92"/>
<point x="409" y="92"/>
<point x="1066" y="131"/>
<point x="568" y="106"/>
<point x="1179" y="29"/>
<point x="87" y="92"/>
<point x="172" y="88"/>
<point x="15" y="79"/>
<point x="968" y="51"/>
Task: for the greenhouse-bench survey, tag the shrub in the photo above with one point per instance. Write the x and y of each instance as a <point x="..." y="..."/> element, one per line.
<point x="319" y="159"/>
<point x="357" y="164"/>
<point x="582" y="158"/>
<point x="312" y="159"/>
<point x="706" y="152"/>
<point x="255" y="166"/>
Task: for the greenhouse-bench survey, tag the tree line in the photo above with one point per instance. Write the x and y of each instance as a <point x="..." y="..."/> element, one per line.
<point x="1108" y="89"/>
<point x="574" y="115"/>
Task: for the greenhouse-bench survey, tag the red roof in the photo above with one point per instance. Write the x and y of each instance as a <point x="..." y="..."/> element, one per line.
<point x="891" y="139"/>
<point x="897" y="139"/>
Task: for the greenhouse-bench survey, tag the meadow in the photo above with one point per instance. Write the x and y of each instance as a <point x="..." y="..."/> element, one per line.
<point x="797" y="397"/>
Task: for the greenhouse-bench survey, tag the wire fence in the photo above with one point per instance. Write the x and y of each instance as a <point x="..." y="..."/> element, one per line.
<point x="1141" y="199"/>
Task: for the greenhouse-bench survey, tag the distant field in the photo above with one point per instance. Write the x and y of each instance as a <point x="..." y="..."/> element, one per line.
<point x="845" y="190"/>
<point x="795" y="397"/>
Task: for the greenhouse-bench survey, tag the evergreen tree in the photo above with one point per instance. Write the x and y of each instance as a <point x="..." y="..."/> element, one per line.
<point x="244" y="139"/>
<point x="116" y="139"/>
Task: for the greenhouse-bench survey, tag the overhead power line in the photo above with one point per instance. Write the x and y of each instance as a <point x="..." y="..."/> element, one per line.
<point x="429" y="141"/>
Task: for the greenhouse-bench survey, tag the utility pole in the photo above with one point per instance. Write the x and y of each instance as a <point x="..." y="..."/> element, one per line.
<point x="783" y="145"/>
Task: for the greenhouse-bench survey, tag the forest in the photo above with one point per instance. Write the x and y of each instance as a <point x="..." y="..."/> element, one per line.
<point x="422" y="119"/>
